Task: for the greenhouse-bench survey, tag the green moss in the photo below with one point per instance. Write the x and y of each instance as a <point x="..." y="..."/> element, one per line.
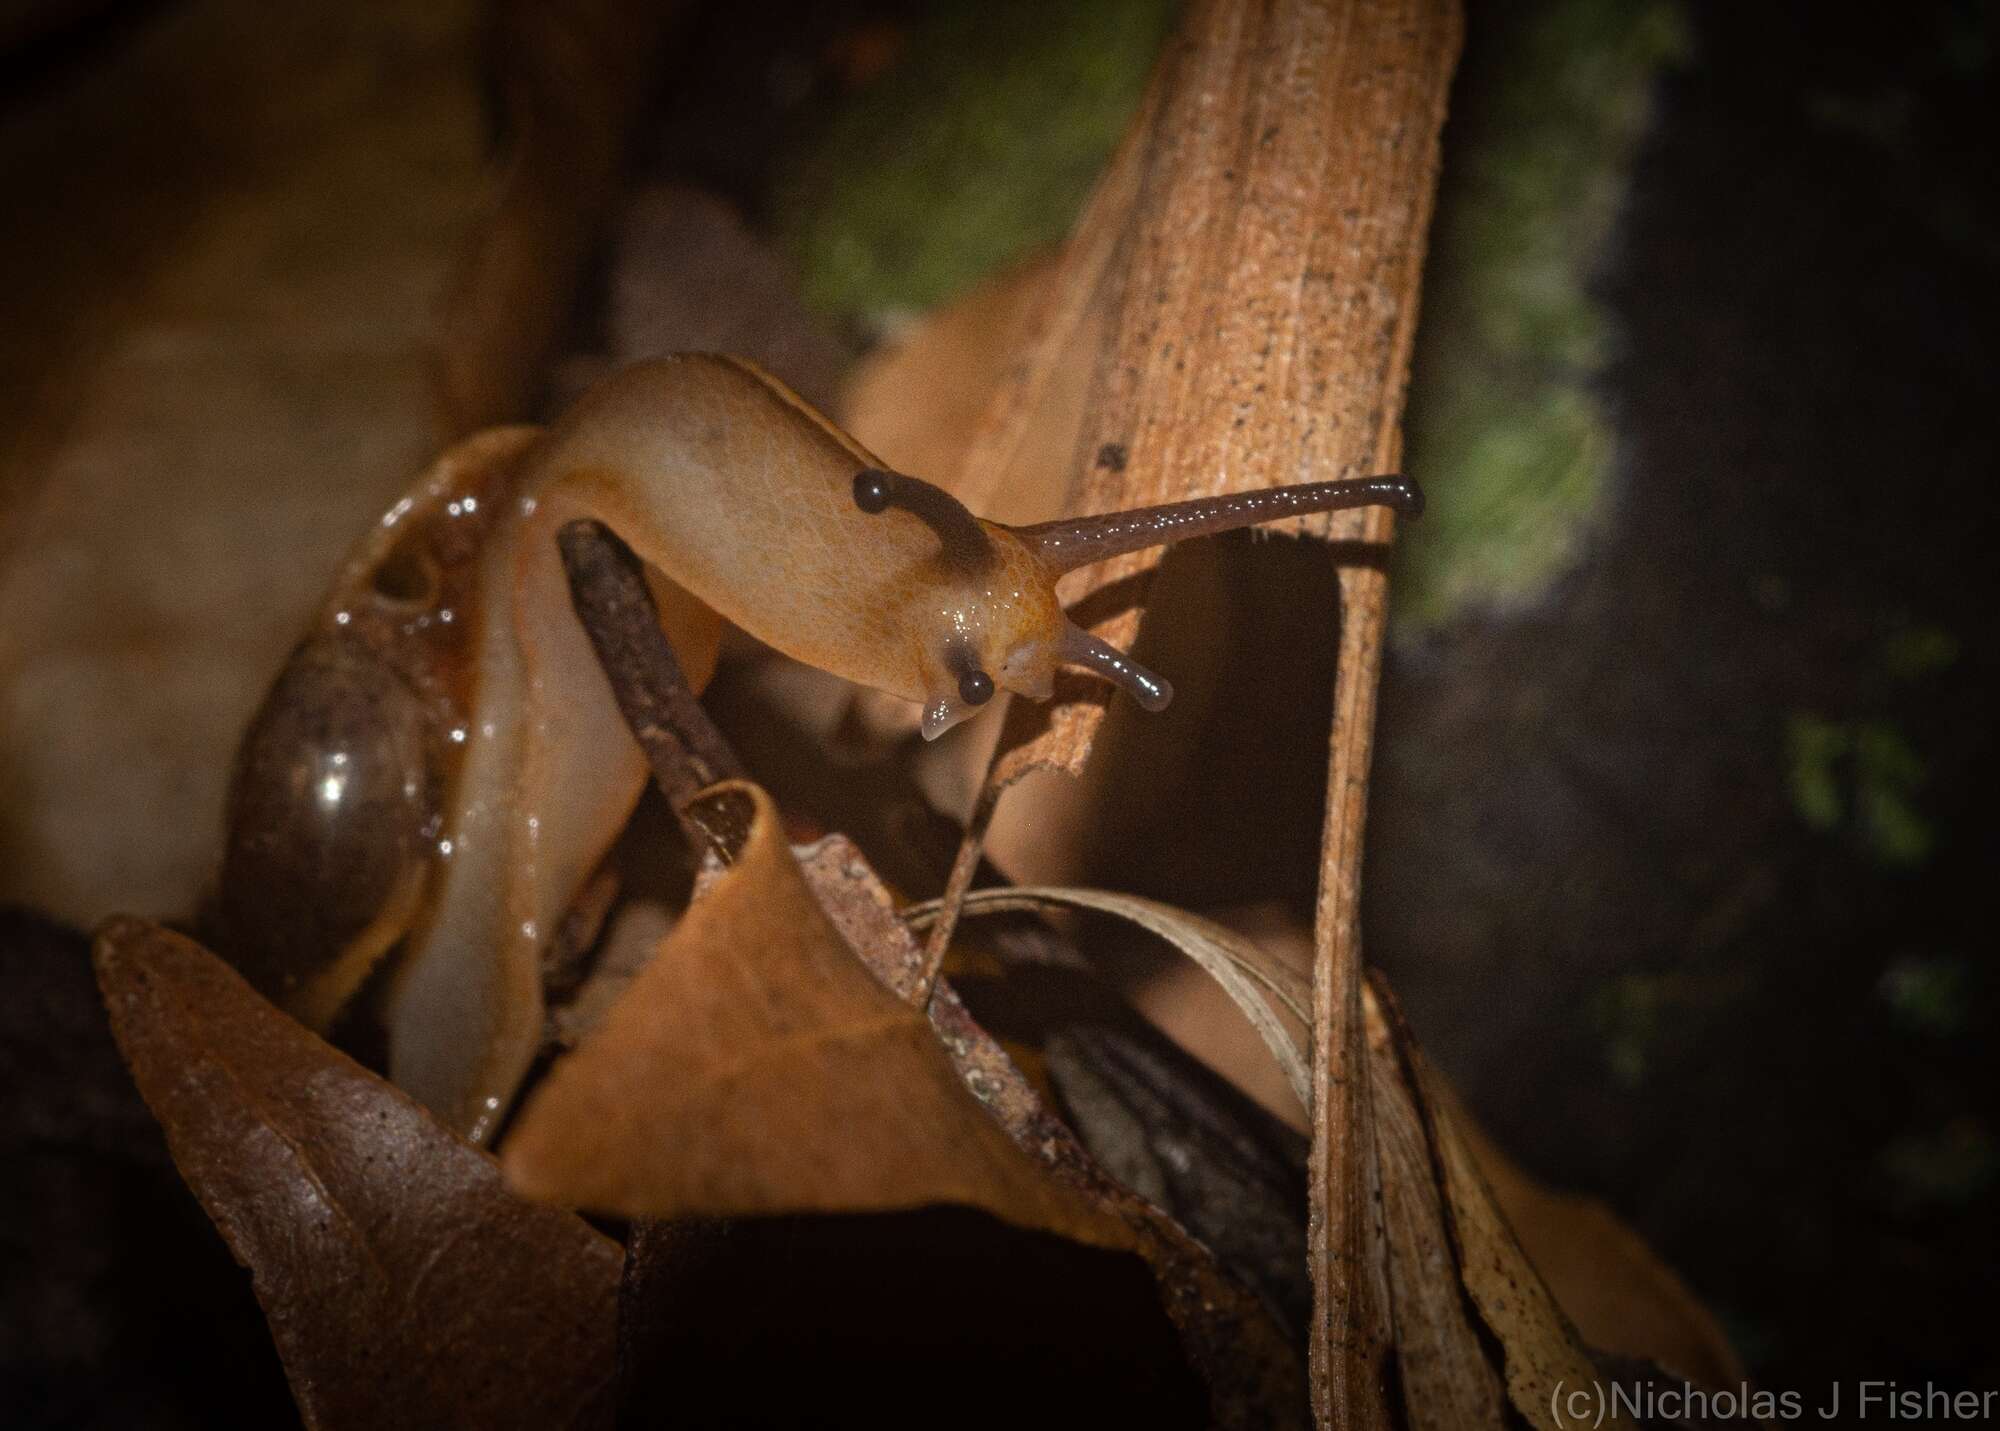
<point x="1888" y="774"/>
<point x="977" y="146"/>
<point x="1953" y="1166"/>
<point x="1504" y="427"/>
<point x="1863" y="775"/>
<point x="1927" y="994"/>
<point x="1814" y="750"/>
<point x="1917" y="651"/>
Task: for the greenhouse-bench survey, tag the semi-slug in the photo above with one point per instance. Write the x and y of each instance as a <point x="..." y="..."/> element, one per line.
<point x="441" y="763"/>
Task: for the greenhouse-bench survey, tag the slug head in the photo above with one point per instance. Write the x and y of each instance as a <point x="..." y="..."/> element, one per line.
<point x="995" y="622"/>
<point x="986" y="627"/>
<point x="985" y="616"/>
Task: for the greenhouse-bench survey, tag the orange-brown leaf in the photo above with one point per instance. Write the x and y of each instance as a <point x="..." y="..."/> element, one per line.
<point x="755" y="1066"/>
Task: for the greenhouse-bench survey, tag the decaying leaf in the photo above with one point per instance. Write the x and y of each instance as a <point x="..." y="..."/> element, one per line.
<point x="1448" y="1380"/>
<point x="755" y="1066"/>
<point x="1623" y="1300"/>
<point x="404" y="1285"/>
<point x="1538" y="1344"/>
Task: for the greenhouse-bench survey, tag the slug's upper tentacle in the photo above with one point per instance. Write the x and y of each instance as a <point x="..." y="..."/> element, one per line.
<point x="963" y="543"/>
<point x="1060" y="546"/>
<point x="1078" y="541"/>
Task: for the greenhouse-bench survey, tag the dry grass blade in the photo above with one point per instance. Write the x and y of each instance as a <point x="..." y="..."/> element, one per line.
<point x="1387" y="70"/>
<point x="1250" y="978"/>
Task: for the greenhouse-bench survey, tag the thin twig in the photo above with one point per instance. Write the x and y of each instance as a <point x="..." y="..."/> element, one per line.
<point x="685" y="750"/>
<point x="963" y="870"/>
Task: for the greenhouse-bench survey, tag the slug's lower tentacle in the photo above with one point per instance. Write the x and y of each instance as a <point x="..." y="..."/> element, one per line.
<point x="1080" y="648"/>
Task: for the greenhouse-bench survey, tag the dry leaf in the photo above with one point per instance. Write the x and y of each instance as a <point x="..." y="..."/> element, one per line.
<point x="1241" y="285"/>
<point x="572" y="79"/>
<point x="1254" y="982"/>
<point x="1541" y="1349"/>
<point x="918" y="399"/>
<point x="1622" y="1298"/>
<point x="1252" y="1373"/>
<point x="404" y="1285"/>
<point x="1448" y="1381"/>
<point x="755" y="1066"/>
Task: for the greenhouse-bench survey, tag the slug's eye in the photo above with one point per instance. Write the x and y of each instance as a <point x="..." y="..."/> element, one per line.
<point x="872" y="490"/>
<point x="975" y="688"/>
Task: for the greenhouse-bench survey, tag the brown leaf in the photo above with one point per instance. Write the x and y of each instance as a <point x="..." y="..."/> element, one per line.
<point x="1447" y="1379"/>
<point x="572" y="79"/>
<point x="918" y="400"/>
<point x="404" y="1285"/>
<point x="1541" y="1349"/>
<point x="755" y="1066"/>
<point x="1623" y="1299"/>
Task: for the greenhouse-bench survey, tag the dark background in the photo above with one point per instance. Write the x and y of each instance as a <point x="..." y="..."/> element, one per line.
<point x="1682" y="870"/>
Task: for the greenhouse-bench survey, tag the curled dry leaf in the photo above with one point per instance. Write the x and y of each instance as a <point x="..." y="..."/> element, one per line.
<point x="755" y="1066"/>
<point x="572" y="79"/>
<point x="1271" y="995"/>
<point x="405" y="1286"/>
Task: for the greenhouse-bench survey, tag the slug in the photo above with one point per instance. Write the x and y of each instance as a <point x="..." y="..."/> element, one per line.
<point x="441" y="763"/>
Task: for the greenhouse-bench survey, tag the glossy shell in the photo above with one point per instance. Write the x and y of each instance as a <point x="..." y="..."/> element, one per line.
<point x="332" y="811"/>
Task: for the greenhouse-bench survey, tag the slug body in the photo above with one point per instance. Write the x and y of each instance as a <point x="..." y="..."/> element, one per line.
<point x="720" y="477"/>
<point x="442" y="764"/>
